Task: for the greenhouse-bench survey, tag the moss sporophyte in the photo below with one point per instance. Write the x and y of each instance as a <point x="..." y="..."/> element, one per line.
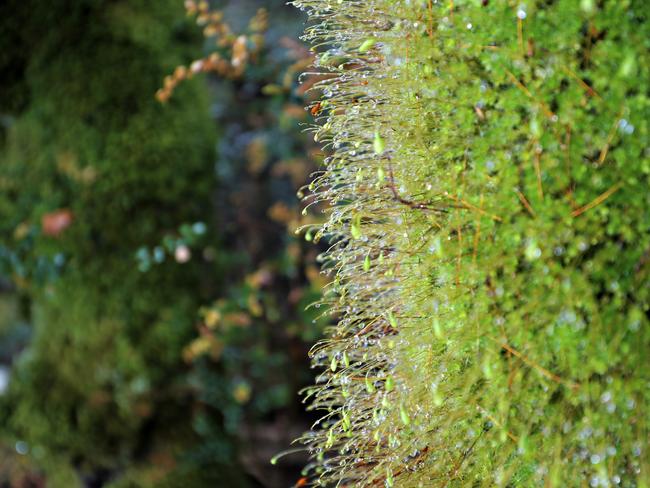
<point x="488" y="180"/>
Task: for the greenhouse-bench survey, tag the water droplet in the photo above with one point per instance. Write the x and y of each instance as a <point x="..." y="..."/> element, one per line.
<point x="22" y="447"/>
<point x="199" y="228"/>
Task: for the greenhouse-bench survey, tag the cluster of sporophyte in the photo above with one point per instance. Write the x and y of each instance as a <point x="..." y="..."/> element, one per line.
<point x="488" y="188"/>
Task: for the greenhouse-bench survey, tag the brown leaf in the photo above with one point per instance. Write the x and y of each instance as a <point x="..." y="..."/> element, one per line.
<point x="54" y="223"/>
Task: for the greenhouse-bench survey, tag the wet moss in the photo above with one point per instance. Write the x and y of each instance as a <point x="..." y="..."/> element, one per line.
<point x="508" y="203"/>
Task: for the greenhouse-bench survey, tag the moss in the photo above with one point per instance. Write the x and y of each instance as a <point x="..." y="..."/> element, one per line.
<point x="490" y="254"/>
<point x="104" y="365"/>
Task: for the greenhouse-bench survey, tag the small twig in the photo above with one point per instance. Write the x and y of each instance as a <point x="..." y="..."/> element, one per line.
<point x="590" y="91"/>
<point x="477" y="236"/>
<point x="469" y="206"/>
<point x="430" y="23"/>
<point x="645" y="258"/>
<point x="460" y="253"/>
<point x="545" y="372"/>
<point x="523" y="88"/>
<point x="462" y="460"/>
<point x="404" y="201"/>
<point x="598" y="200"/>
<point x="567" y="161"/>
<point x="512" y="437"/>
<point x="525" y="202"/>
<point x="610" y="137"/>
<point x="538" y="173"/>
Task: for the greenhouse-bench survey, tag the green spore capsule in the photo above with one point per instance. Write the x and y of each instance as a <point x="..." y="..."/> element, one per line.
<point x="333" y="364"/>
<point x="345" y="420"/>
<point x="370" y="387"/>
<point x="378" y="144"/>
<point x="330" y="439"/>
<point x="366" y="263"/>
<point x="404" y="416"/>
<point x="367" y="45"/>
<point x="437" y="328"/>
<point x="487" y="370"/>
<point x="355" y="227"/>
<point x="437" y="399"/>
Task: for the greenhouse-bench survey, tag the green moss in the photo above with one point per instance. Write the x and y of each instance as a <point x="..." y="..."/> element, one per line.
<point x="101" y="385"/>
<point x="507" y="294"/>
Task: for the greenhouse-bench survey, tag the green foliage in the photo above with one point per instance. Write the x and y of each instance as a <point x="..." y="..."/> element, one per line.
<point x="88" y="156"/>
<point x="103" y="373"/>
<point x="109" y="233"/>
<point x="488" y="183"/>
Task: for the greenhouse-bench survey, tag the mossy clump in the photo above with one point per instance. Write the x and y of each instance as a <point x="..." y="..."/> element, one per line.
<point x="92" y="168"/>
<point x="488" y="179"/>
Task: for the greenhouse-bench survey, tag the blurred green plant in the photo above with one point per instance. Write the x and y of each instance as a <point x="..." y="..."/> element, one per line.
<point x="92" y="168"/>
<point x="249" y="357"/>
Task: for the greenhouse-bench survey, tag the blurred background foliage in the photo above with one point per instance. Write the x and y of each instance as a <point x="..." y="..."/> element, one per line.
<point x="153" y="329"/>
